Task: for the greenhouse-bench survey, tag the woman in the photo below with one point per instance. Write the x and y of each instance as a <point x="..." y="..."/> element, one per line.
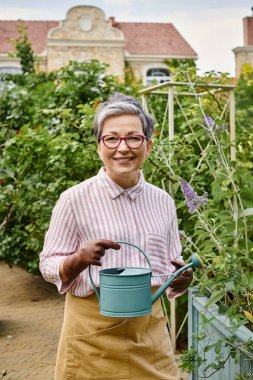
<point x="87" y="221"/>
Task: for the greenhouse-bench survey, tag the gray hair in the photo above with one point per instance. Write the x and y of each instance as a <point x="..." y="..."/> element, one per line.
<point x="120" y="104"/>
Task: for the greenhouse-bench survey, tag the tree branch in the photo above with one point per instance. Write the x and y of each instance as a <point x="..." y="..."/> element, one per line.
<point x="7" y="218"/>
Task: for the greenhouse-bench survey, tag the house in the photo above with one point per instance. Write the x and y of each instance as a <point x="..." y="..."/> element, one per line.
<point x="244" y="54"/>
<point x="87" y="34"/>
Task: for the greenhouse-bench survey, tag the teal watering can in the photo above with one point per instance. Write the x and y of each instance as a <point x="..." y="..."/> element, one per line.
<point x="126" y="292"/>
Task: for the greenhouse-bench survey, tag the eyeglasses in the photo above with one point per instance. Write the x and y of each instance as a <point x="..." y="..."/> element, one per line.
<point x="132" y="141"/>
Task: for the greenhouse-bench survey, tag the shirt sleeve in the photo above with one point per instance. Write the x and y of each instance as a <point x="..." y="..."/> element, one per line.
<point x="61" y="240"/>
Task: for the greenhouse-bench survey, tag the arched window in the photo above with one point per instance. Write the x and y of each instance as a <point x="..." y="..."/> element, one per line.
<point x="157" y="74"/>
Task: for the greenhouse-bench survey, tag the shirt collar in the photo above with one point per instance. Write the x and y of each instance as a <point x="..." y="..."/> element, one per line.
<point x="115" y="190"/>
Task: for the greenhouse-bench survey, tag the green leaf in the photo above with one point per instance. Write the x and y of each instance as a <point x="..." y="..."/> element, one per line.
<point x="175" y="186"/>
<point x="7" y="173"/>
<point x="215" y="297"/>
<point x="175" y="178"/>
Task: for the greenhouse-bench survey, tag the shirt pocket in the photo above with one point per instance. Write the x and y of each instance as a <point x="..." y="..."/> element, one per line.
<point x="102" y="355"/>
<point x="158" y="252"/>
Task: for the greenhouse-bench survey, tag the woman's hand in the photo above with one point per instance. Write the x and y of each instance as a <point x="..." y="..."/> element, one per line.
<point x="180" y="284"/>
<point x="93" y="250"/>
<point x="90" y="254"/>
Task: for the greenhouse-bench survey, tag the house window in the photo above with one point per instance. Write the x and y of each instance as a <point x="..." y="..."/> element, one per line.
<point x="158" y="75"/>
<point x="10" y="70"/>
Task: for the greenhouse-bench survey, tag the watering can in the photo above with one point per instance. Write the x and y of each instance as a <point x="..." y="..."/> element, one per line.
<point x="126" y="292"/>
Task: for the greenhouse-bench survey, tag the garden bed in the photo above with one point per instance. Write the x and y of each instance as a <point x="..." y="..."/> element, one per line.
<point x="212" y="337"/>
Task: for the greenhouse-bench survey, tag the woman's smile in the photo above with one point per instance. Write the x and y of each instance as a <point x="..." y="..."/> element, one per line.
<point x="123" y="159"/>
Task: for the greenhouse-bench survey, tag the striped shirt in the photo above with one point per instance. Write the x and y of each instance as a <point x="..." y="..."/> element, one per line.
<point x="98" y="208"/>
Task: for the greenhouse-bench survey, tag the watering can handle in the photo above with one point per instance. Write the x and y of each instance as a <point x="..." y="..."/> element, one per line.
<point x="93" y="285"/>
<point x="139" y="249"/>
<point x="120" y="242"/>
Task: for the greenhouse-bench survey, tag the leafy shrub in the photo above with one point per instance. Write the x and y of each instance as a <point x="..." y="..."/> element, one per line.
<point x="46" y="146"/>
<point x="37" y="166"/>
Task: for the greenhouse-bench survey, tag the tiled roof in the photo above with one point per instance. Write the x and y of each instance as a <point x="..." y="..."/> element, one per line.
<point x="36" y="30"/>
<point x="154" y="39"/>
<point x="141" y="38"/>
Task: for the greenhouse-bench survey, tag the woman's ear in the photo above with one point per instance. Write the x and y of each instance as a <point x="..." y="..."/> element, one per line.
<point x="148" y="148"/>
<point x="99" y="151"/>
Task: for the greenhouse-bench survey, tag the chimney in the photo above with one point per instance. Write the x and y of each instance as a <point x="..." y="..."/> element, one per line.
<point x="112" y="20"/>
<point x="248" y="30"/>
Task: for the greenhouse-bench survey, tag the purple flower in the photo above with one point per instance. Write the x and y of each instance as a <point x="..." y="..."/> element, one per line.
<point x="209" y="123"/>
<point x="193" y="201"/>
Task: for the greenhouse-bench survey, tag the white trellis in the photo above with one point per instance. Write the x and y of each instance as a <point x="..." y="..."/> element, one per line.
<point x="170" y="90"/>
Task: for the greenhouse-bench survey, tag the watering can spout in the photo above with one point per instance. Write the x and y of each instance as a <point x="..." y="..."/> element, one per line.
<point x="195" y="263"/>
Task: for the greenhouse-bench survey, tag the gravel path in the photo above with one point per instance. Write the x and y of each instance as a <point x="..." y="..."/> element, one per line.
<point x="31" y="312"/>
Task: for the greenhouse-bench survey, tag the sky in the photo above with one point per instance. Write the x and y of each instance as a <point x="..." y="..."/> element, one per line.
<point x="212" y="27"/>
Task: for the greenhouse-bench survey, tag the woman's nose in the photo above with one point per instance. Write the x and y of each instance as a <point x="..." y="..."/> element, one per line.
<point x="123" y="146"/>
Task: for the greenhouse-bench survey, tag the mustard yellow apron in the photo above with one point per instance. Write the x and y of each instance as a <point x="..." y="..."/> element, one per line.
<point x="94" y="347"/>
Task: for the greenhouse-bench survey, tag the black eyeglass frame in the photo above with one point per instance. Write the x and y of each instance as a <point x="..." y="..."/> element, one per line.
<point x="123" y="138"/>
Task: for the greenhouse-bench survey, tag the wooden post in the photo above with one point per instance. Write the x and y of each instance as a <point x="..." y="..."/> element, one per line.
<point x="233" y="154"/>
<point x="232" y="126"/>
<point x="171" y="112"/>
<point x="171" y="123"/>
<point x="144" y="102"/>
<point x="171" y="137"/>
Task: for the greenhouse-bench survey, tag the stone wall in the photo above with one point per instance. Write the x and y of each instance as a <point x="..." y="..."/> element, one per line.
<point x="243" y="55"/>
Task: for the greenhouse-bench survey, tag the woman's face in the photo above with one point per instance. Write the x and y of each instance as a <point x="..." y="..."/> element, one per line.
<point x="123" y="164"/>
